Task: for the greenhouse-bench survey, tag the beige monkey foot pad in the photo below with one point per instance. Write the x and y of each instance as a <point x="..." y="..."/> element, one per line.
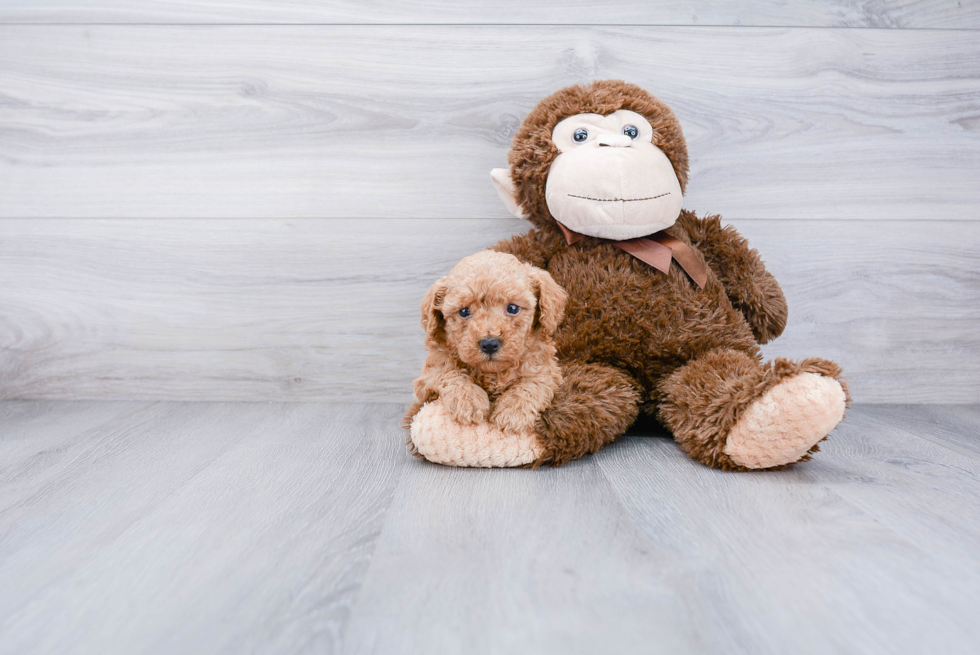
<point x="440" y="439"/>
<point x="781" y="426"/>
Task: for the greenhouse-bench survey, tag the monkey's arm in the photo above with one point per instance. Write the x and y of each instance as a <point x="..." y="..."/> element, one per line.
<point x="750" y="287"/>
<point x="534" y="247"/>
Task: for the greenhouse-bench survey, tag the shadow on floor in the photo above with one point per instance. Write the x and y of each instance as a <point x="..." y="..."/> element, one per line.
<point x="647" y="426"/>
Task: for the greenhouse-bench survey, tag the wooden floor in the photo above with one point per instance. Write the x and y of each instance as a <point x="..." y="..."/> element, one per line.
<point x="130" y="527"/>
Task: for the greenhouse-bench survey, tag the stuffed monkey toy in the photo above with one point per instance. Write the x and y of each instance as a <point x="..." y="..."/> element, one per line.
<point x="666" y="310"/>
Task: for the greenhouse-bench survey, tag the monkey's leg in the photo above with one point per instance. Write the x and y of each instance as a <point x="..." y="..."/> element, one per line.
<point x="728" y="411"/>
<point x="594" y="405"/>
<point x="436" y="436"/>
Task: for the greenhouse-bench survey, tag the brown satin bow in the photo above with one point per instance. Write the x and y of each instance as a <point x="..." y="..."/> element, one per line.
<point x="656" y="250"/>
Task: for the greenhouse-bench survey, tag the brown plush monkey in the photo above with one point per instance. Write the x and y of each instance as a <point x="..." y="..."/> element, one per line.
<point x="666" y="310"/>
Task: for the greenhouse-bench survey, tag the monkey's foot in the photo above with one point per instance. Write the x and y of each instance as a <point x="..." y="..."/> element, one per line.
<point x="438" y="438"/>
<point x="783" y="424"/>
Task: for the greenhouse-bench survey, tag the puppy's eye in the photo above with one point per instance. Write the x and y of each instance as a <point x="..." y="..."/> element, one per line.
<point x="464" y="312"/>
<point x="580" y="135"/>
<point x="631" y="131"/>
<point x="512" y="309"/>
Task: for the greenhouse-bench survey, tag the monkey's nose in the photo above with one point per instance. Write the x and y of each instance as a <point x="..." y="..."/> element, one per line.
<point x="489" y="345"/>
<point x="618" y="140"/>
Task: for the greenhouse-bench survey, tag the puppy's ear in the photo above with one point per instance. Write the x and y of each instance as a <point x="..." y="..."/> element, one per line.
<point x="433" y="322"/>
<point x="551" y="300"/>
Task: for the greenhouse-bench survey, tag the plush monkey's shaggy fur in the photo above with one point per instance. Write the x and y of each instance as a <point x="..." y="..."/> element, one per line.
<point x="635" y="339"/>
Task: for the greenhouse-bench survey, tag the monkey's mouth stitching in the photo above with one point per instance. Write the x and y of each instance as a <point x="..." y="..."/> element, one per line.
<point x="572" y="195"/>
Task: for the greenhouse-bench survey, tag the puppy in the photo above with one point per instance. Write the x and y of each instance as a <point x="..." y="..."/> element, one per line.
<point x="489" y="327"/>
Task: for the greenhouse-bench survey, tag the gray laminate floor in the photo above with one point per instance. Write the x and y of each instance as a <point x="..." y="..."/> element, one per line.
<point x="207" y="527"/>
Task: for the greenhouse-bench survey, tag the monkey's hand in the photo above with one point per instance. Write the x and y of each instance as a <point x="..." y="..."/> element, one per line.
<point x="465" y="402"/>
<point x="513" y="412"/>
<point x="751" y="288"/>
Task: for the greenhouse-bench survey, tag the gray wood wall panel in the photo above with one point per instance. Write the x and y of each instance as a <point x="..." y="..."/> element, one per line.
<point x="815" y="13"/>
<point x="406" y="121"/>
<point x="326" y="309"/>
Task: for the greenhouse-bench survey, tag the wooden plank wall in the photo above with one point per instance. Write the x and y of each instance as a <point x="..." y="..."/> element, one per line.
<point x="246" y="201"/>
<point x="799" y="13"/>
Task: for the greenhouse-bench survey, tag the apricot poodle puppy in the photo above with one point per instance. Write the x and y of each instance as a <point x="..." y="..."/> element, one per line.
<point x="489" y="327"/>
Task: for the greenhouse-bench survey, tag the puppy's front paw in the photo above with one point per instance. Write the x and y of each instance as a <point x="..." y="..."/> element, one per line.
<point x="512" y="415"/>
<point x="467" y="405"/>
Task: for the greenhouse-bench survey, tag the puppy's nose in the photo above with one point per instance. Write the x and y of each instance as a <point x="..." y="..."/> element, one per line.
<point x="489" y="345"/>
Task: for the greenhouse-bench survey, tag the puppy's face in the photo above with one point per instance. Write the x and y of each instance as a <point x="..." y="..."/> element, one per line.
<point x="489" y="309"/>
<point x="488" y="328"/>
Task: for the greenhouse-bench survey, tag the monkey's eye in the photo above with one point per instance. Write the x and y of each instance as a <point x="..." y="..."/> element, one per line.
<point x="631" y="131"/>
<point x="580" y="135"/>
<point x="512" y="309"/>
<point x="464" y="312"/>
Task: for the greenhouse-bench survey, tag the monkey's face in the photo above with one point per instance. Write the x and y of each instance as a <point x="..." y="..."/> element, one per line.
<point x="610" y="180"/>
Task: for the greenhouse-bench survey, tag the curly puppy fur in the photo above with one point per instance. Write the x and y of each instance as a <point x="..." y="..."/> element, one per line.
<point x="635" y="339"/>
<point x="475" y="302"/>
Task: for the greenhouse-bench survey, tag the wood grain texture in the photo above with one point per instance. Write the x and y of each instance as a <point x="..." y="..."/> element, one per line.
<point x="328" y="309"/>
<point x="195" y="528"/>
<point x="953" y="426"/>
<point x="936" y="508"/>
<point x="506" y="561"/>
<point x="889" y="301"/>
<point x="836" y="13"/>
<point x="861" y="543"/>
<point x="246" y="309"/>
<point x="36" y="436"/>
<point x="407" y="121"/>
<point x="284" y="528"/>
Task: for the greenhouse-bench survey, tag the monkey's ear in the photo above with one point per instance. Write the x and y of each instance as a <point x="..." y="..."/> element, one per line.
<point x="551" y="300"/>
<point x="433" y="322"/>
<point x="504" y="185"/>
